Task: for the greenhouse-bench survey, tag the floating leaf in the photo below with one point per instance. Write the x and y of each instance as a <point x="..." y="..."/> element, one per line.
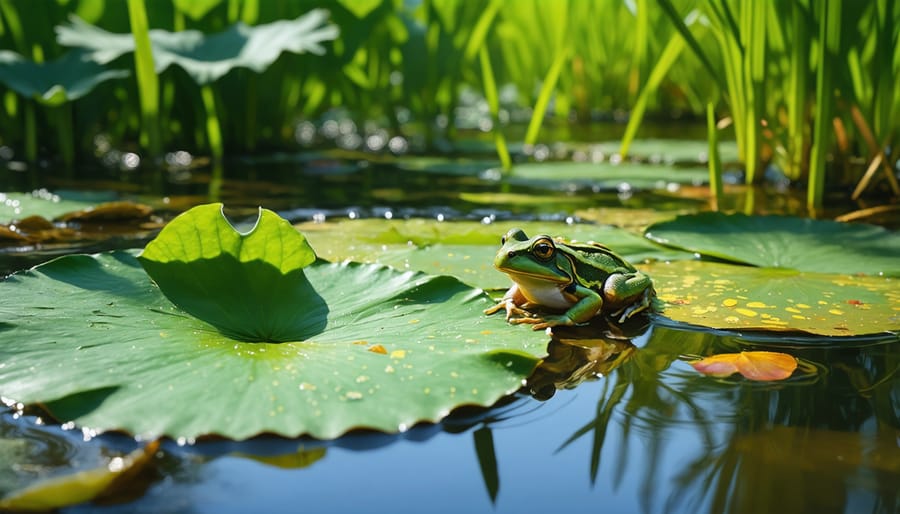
<point x="111" y="352"/>
<point x="784" y="242"/>
<point x="55" y="82"/>
<point x="755" y="365"/>
<point x="669" y="150"/>
<point x="82" y="486"/>
<point x="207" y="57"/>
<point x="15" y="206"/>
<point x="605" y="175"/>
<point x="460" y="248"/>
<point x="740" y="297"/>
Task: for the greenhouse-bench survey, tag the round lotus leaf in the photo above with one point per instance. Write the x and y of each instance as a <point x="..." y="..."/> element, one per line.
<point x="95" y="341"/>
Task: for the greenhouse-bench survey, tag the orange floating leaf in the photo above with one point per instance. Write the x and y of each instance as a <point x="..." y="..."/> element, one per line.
<point x="752" y="365"/>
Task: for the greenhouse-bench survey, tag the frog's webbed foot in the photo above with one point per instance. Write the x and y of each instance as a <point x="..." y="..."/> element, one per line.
<point x="630" y="310"/>
<point x="545" y="322"/>
<point x="511" y="310"/>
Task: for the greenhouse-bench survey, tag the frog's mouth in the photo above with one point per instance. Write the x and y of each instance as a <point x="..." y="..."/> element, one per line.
<point x="540" y="277"/>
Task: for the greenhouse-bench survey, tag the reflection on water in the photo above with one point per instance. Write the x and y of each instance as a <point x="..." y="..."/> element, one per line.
<point x="641" y="432"/>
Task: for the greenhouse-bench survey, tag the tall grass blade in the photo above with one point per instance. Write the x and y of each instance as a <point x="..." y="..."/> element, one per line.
<point x="493" y="100"/>
<point x="692" y="42"/>
<point x="543" y="99"/>
<point x="715" y="162"/>
<point x="663" y="64"/>
<point x="826" y="52"/>
<point x="147" y="80"/>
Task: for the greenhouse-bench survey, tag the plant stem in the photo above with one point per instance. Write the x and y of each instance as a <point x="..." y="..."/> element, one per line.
<point x="213" y="128"/>
<point x="715" y="162"/>
<point x="827" y="48"/>
<point x="147" y="80"/>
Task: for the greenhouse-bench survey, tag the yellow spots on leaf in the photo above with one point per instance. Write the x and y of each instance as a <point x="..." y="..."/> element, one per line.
<point x="746" y="312"/>
<point x="797" y="316"/>
<point x="363" y="343"/>
<point x="398" y="354"/>
<point x="353" y="395"/>
<point x="793" y="311"/>
<point x="836" y="312"/>
<point x="822" y="302"/>
<point x="486" y="332"/>
<point x="729" y="302"/>
<point x="757" y="305"/>
<point x="377" y="348"/>
<point x="803" y="306"/>
<point x="470" y="341"/>
<point x="306" y="386"/>
<point x="362" y="378"/>
<point x="699" y="311"/>
<point x="732" y="319"/>
<point x="414" y="321"/>
<point x="388" y="369"/>
<point x="774" y="321"/>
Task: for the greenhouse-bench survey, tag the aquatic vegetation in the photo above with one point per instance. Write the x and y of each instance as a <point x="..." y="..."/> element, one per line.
<point x="786" y="242"/>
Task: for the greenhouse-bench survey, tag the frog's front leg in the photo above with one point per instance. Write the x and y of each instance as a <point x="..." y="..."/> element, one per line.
<point x="511" y="301"/>
<point x="630" y="291"/>
<point x="588" y="304"/>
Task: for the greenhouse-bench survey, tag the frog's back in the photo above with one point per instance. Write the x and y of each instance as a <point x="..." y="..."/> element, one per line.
<point x="603" y="262"/>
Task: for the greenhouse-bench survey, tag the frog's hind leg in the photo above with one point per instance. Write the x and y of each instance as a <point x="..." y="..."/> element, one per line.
<point x="632" y="291"/>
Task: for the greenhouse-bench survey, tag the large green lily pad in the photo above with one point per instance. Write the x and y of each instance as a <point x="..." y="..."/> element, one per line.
<point x="207" y="57"/>
<point x="725" y="296"/>
<point x="784" y="242"/>
<point x="96" y="342"/>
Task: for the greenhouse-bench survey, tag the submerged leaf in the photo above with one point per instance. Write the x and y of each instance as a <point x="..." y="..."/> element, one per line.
<point x="82" y="486"/>
<point x="754" y="365"/>
<point x="784" y="242"/>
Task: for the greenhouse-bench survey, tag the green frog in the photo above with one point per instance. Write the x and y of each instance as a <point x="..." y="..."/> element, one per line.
<point x="582" y="279"/>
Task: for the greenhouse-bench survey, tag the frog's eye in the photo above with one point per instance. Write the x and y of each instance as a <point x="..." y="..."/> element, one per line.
<point x="502" y="240"/>
<point x="543" y="249"/>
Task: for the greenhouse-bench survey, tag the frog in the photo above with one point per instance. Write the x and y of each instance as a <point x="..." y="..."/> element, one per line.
<point x="578" y="281"/>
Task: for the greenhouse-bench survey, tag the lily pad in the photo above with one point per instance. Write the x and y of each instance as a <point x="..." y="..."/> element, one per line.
<point x="670" y="150"/>
<point x="207" y="57"/>
<point x="605" y="175"/>
<point x="55" y="82"/>
<point x="16" y="206"/>
<point x="94" y="341"/>
<point x="784" y="242"/>
<point x="462" y="249"/>
<point x="732" y="297"/>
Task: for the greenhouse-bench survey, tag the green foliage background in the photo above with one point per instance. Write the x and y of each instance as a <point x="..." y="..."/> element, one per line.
<point x="784" y="73"/>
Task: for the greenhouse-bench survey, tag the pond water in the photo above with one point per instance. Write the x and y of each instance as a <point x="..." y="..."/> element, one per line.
<point x="615" y="420"/>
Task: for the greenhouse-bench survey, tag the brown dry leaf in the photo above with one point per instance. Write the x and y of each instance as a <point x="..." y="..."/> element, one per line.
<point x="752" y="365"/>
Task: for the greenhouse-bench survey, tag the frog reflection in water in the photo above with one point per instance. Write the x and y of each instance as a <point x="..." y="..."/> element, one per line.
<point x="582" y="279"/>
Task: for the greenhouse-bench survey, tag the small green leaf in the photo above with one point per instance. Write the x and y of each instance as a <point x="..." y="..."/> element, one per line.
<point x="250" y="286"/>
<point x="784" y="242"/>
